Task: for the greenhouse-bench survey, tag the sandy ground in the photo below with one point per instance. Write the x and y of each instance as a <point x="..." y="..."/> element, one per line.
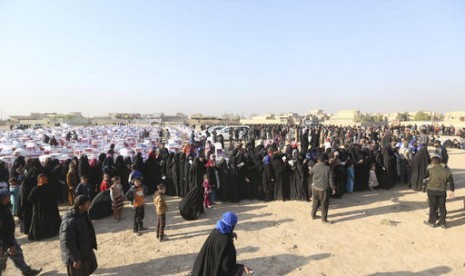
<point x="374" y="233"/>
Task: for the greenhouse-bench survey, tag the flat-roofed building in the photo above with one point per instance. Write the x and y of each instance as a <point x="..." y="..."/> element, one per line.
<point x="344" y="118"/>
<point x="272" y="119"/>
<point x="455" y="118"/>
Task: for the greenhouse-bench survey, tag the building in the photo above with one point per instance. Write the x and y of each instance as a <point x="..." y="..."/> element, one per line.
<point x="317" y="113"/>
<point x="344" y="118"/>
<point x="272" y="119"/>
<point x="315" y="117"/>
<point x="455" y="118"/>
<point x="200" y="119"/>
<point x="177" y="119"/>
<point x="50" y="119"/>
<point x="125" y="116"/>
<point x="413" y="116"/>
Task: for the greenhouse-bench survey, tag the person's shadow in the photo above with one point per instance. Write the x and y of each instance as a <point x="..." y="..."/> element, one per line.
<point x="282" y="264"/>
<point x="440" y="270"/>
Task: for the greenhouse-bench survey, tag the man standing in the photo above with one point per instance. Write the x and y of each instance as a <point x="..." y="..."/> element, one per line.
<point x="323" y="182"/>
<point x="439" y="177"/>
<point x="9" y="247"/>
<point x="77" y="239"/>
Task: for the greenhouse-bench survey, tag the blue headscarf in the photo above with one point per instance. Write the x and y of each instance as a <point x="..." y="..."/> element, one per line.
<point x="266" y="160"/>
<point x="227" y="223"/>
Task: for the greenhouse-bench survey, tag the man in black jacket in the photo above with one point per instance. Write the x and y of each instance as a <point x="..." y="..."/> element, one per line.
<point x="77" y="239"/>
<point x="323" y="184"/>
<point x="9" y="247"/>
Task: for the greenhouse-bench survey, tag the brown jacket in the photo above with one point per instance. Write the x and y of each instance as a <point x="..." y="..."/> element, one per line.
<point x="160" y="204"/>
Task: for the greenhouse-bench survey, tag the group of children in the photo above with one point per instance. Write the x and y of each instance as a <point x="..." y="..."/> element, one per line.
<point x="372" y="181"/>
<point x="136" y="196"/>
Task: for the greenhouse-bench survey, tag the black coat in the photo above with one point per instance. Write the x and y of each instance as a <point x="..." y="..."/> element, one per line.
<point x="192" y="204"/>
<point x="7" y="226"/>
<point x="268" y="181"/>
<point x="196" y="173"/>
<point x="217" y="257"/>
<point x="46" y="219"/>
<point x="419" y="169"/>
<point x="83" y="167"/>
<point x="176" y="175"/>
<point x="77" y="238"/>
<point x="301" y="175"/>
<point x="233" y="181"/>
<point x="223" y="175"/>
<point x="390" y="166"/>
<point x="25" y="206"/>
<point x="181" y="175"/>
<point x="279" y="168"/>
<point x="151" y="174"/>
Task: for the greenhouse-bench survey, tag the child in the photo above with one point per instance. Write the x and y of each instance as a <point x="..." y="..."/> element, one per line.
<point x="105" y="183"/>
<point x="350" y="176"/>
<point x="14" y="190"/>
<point x="83" y="188"/>
<point x="134" y="175"/>
<point x="161" y="209"/>
<point x="116" y="194"/>
<point x="373" y="181"/>
<point x="207" y="190"/>
<point x="136" y="196"/>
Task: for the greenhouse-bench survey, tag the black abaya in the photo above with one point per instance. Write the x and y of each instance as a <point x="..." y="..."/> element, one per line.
<point x="192" y="204"/>
<point x="217" y="257"/>
<point x="46" y="219"/>
<point x="419" y="169"/>
<point x="279" y="168"/>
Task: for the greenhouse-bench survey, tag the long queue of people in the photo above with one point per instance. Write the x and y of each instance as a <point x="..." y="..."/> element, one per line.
<point x="280" y="169"/>
<point x="252" y="170"/>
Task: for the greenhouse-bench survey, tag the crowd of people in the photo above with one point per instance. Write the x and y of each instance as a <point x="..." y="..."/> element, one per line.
<point x="269" y="163"/>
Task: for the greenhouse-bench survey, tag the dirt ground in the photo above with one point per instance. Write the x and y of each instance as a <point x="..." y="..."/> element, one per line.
<point x="373" y="233"/>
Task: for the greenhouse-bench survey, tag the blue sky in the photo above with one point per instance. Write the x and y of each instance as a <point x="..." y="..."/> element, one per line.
<point x="239" y="56"/>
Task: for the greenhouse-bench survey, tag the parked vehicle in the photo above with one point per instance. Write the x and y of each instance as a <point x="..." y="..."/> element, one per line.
<point x="225" y="131"/>
<point x="210" y="130"/>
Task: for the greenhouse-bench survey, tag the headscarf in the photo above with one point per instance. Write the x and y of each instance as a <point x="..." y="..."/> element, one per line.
<point x="93" y="162"/>
<point x="210" y="163"/>
<point x="227" y="223"/>
<point x="266" y="160"/>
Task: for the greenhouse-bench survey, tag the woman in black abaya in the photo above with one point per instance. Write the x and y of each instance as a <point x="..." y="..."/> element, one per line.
<point x="390" y="166"/>
<point x="279" y="168"/>
<point x="420" y="164"/>
<point x="45" y="222"/>
<point x="83" y="167"/>
<point x="218" y="254"/>
<point x="223" y="175"/>
<point x="233" y="184"/>
<point x="191" y="206"/>
<point x="34" y="168"/>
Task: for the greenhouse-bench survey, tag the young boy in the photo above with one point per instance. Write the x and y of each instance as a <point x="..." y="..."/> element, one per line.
<point x="136" y="195"/>
<point x="350" y="176"/>
<point x="134" y="175"/>
<point x="83" y="188"/>
<point x="161" y="209"/>
<point x="14" y="190"/>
